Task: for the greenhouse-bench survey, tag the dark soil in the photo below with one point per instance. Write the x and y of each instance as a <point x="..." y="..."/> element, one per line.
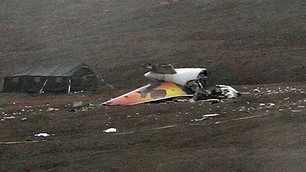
<point x="256" y="132"/>
<point x="240" y="42"/>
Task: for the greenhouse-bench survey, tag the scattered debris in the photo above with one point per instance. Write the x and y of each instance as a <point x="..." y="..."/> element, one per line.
<point x="9" y="117"/>
<point x="50" y="109"/>
<point x="80" y="106"/>
<point x="212" y="101"/>
<point x="42" y="135"/>
<point x="173" y="82"/>
<point x="204" y="117"/>
<point x="110" y="130"/>
<point x="256" y="90"/>
<point x="229" y="92"/>
<point x="271" y="104"/>
<point x="242" y="109"/>
<point x="211" y="115"/>
<point x="84" y="109"/>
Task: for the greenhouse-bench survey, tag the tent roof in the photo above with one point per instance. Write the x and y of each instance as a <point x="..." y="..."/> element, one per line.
<point x="48" y="69"/>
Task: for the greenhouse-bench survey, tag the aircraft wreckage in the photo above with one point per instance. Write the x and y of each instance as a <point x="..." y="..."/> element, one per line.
<point x="169" y="82"/>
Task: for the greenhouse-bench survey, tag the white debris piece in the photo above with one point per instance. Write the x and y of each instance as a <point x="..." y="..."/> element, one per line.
<point x="242" y="109"/>
<point x="211" y="115"/>
<point x="79" y="104"/>
<point x="206" y="117"/>
<point x="229" y="91"/>
<point x="9" y="117"/>
<point x="212" y="100"/>
<point x="42" y="135"/>
<point x="110" y="130"/>
<point x="256" y="90"/>
<point x="200" y="119"/>
<point x="192" y="100"/>
<point x="52" y="109"/>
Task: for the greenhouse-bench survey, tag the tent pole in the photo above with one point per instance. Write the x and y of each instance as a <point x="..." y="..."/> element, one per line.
<point x="107" y="84"/>
<point x="69" y="87"/>
<point x="42" y="88"/>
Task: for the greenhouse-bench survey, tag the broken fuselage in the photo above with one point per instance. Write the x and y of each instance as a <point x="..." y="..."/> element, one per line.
<point x="179" y="76"/>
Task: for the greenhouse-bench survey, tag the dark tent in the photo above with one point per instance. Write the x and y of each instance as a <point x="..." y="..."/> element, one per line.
<point x="40" y="78"/>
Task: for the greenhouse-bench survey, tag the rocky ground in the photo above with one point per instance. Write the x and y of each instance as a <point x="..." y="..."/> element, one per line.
<point x="263" y="130"/>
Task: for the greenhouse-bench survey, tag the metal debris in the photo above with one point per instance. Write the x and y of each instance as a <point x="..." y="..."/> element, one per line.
<point x="50" y="109"/>
<point x="42" y="135"/>
<point x="204" y="117"/>
<point x="110" y="130"/>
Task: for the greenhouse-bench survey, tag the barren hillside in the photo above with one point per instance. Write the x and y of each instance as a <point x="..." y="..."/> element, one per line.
<point x="241" y="42"/>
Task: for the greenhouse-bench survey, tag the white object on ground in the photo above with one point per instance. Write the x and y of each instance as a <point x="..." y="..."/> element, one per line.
<point x="211" y="115"/>
<point x="42" y="135"/>
<point x="229" y="91"/>
<point x="256" y="90"/>
<point x="206" y="117"/>
<point x="110" y="130"/>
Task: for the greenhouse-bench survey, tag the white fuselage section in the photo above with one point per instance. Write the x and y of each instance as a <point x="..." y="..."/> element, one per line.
<point x="182" y="75"/>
